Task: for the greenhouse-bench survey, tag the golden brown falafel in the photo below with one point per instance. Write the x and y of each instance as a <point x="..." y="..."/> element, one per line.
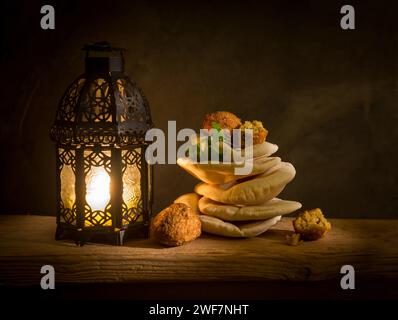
<point x="223" y="119"/>
<point x="259" y="133"/>
<point x="311" y="224"/>
<point x="175" y="225"/>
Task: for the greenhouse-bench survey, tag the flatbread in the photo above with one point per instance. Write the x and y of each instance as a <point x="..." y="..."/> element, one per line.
<point x="191" y="200"/>
<point x="264" y="149"/>
<point x="272" y="208"/>
<point x="216" y="226"/>
<point x="256" y="190"/>
<point x="225" y="172"/>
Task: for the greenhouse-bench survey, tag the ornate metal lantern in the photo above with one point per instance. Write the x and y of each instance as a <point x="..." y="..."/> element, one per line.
<point x="103" y="183"/>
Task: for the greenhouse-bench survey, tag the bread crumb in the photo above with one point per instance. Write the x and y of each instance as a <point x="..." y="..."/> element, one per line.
<point x="311" y="224"/>
<point x="294" y="239"/>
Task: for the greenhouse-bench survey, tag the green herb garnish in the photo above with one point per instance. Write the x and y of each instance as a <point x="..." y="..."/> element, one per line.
<point x="216" y="125"/>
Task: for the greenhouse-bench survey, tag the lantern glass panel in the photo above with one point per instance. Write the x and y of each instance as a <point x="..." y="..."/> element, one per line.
<point x="132" y="186"/>
<point x="97" y="180"/>
<point x="67" y="181"/>
<point x="97" y="186"/>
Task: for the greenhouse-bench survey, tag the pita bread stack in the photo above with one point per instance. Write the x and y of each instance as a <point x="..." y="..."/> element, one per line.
<point x="240" y="206"/>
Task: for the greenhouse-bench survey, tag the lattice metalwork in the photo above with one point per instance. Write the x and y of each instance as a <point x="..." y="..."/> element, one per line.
<point x="131" y="104"/>
<point x="132" y="109"/>
<point x="97" y="218"/>
<point x="96" y="103"/>
<point x="106" y="109"/>
<point x="97" y="159"/>
<point x="103" y="181"/>
<point x="68" y="104"/>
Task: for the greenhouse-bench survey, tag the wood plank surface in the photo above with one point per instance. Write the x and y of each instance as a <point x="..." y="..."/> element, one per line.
<point x="27" y="243"/>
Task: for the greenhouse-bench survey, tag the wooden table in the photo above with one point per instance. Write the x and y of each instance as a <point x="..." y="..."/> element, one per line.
<point x="209" y="267"/>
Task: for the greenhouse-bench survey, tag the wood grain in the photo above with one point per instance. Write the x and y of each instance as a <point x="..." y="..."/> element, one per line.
<point x="27" y="243"/>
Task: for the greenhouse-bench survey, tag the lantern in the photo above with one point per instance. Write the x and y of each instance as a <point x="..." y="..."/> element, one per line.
<point x="103" y="183"/>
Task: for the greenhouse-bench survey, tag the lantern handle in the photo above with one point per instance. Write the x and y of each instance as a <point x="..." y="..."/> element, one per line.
<point x="103" y="46"/>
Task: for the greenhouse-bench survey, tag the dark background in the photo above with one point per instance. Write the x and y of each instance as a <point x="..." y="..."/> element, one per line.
<point x="328" y="97"/>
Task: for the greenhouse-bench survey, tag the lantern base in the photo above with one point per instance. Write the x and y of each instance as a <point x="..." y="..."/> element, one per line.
<point x="115" y="237"/>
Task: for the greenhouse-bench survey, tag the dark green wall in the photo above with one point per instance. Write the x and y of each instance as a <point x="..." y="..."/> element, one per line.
<point x="327" y="96"/>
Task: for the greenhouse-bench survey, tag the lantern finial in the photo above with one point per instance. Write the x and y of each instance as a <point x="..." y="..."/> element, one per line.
<point x="100" y="57"/>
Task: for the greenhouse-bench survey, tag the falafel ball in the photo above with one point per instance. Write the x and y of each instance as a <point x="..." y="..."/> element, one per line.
<point x="175" y="225"/>
<point x="223" y="119"/>
<point x="259" y="133"/>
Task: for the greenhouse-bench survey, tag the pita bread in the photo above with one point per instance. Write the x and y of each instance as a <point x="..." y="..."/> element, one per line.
<point x="256" y="190"/>
<point x="191" y="200"/>
<point x="264" y="149"/>
<point x="225" y="172"/>
<point x="242" y="230"/>
<point x="272" y="208"/>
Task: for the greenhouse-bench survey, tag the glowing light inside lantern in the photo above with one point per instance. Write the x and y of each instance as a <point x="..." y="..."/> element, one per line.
<point x="98" y="184"/>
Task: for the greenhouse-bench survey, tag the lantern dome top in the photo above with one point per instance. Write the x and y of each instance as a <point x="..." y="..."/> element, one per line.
<point x="102" y="106"/>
